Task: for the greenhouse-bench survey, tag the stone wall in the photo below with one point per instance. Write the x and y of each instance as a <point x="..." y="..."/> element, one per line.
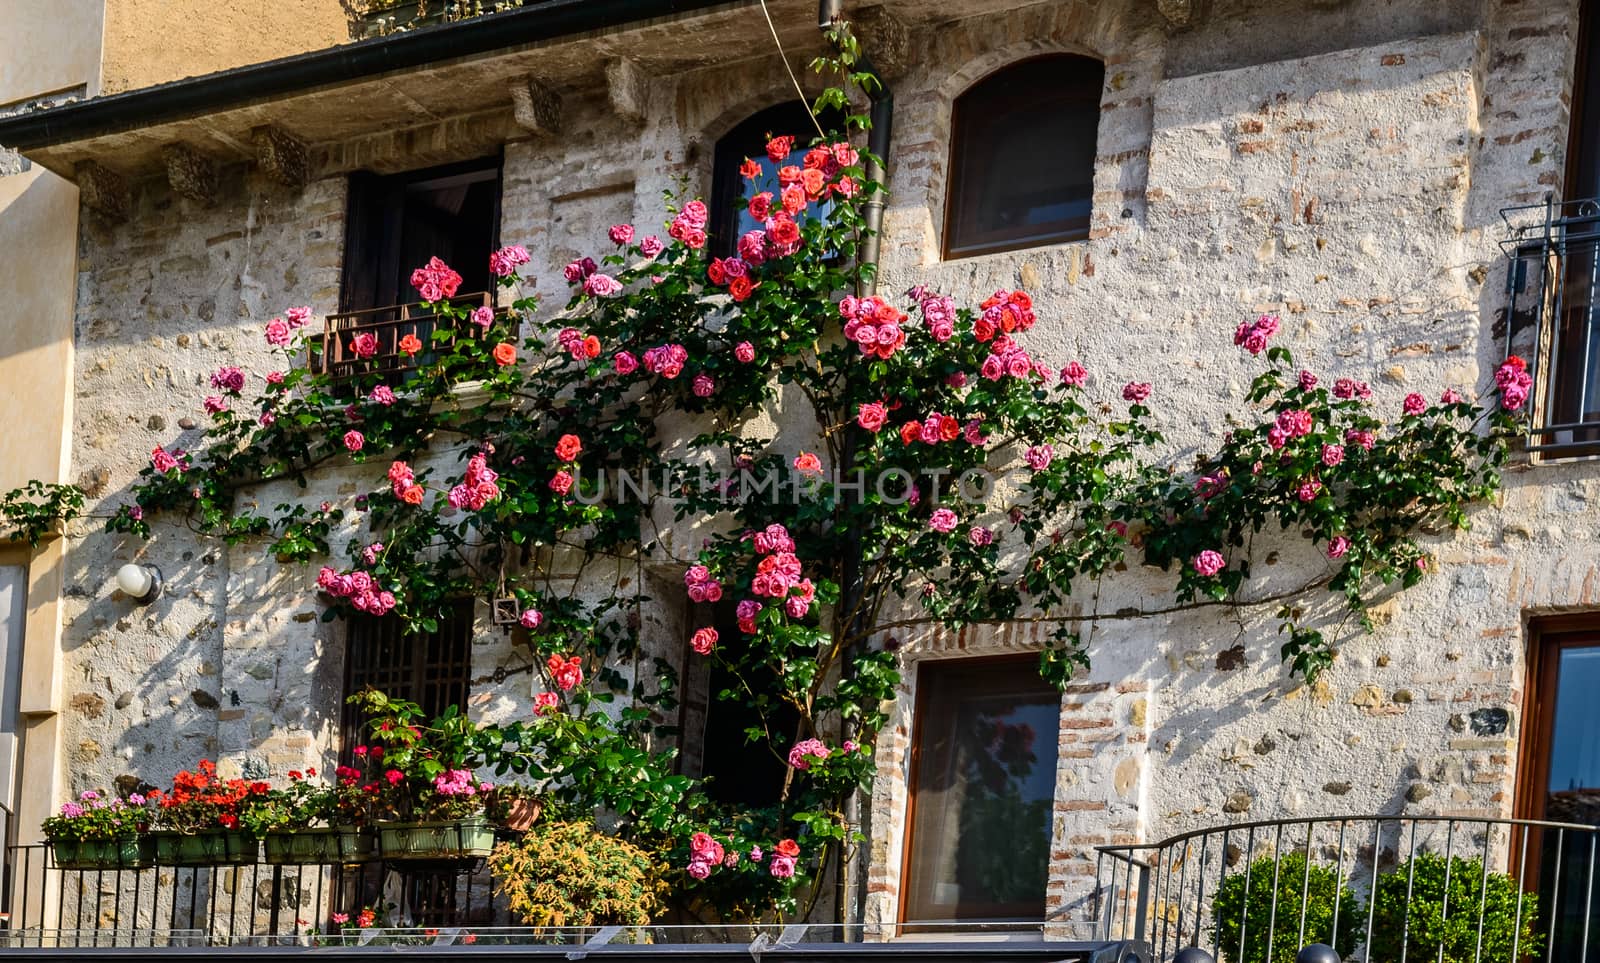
<point x="1348" y="177"/>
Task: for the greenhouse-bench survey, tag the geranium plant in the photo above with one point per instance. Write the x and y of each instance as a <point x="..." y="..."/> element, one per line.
<point x="870" y="509"/>
<point x="301" y="804"/>
<point x="94" y="816"/>
<point x="200" y="802"/>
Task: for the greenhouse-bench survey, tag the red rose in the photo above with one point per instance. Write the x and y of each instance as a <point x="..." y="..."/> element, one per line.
<point x="779" y="148"/>
<point x="750" y="169"/>
<point x="740" y="288"/>
<point x="568" y="446"/>
<point x="788" y="847"/>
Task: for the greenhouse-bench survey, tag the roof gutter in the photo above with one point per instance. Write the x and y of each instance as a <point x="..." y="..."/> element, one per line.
<point x="243" y="86"/>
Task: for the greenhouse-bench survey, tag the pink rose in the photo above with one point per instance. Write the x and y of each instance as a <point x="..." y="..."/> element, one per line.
<point x="942" y="520"/>
<point x="354" y="440"/>
<point x="1414" y="404"/>
<point x="651" y="245"/>
<point x="744" y="351"/>
<point x="298" y="316"/>
<point x="1209" y="563"/>
<point x="704" y="641"/>
<point x="277" y="332"/>
<point x="781" y="867"/>
<point x="1338" y="546"/>
<point x="1332" y="455"/>
<point x="703" y="386"/>
<point x="620" y="234"/>
<point x="1039" y="457"/>
<point x="1135" y="392"/>
<point x="980" y="537"/>
<point x="531" y="618"/>
<point x="624" y="363"/>
<point x="483" y="316"/>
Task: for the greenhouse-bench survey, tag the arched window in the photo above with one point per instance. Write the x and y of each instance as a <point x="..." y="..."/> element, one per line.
<point x="729" y="217"/>
<point x="1022" y="149"/>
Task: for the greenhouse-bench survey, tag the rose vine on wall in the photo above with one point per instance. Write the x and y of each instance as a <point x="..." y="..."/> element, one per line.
<point x="832" y="457"/>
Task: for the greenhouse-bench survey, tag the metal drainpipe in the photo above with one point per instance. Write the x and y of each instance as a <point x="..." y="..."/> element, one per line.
<point x="850" y="904"/>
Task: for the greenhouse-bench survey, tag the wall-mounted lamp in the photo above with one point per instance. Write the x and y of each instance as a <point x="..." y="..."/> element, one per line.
<point x="142" y="583"/>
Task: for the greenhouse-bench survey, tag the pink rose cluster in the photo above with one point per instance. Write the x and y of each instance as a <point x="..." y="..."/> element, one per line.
<point x="228" y="378"/>
<point x="435" y="280"/>
<point x="746" y="611"/>
<point x="278" y="329"/>
<point x="1006" y="357"/>
<point x="705" y="854"/>
<point x="504" y="262"/>
<point x="359" y="587"/>
<point x="1346" y="389"/>
<point x="1292" y="424"/>
<point x="601" y="285"/>
<point x="803" y="752"/>
<point x="690" y="225"/>
<point x="1004" y="312"/>
<point x="577" y="271"/>
<point x="931" y="430"/>
<point x="1074" y="375"/>
<point x="164" y="461"/>
<point x="403" y="482"/>
<point x="733" y="273"/>
<point x="938" y="313"/>
<point x="1254" y="335"/>
<point x="1513" y="381"/>
<point x="700" y="585"/>
<point x="875" y="325"/>
<point x="666" y="360"/>
<point x="478" y="486"/>
<point x="575" y="343"/>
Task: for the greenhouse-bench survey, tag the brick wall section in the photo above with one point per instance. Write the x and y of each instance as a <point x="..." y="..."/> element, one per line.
<point x="1351" y="179"/>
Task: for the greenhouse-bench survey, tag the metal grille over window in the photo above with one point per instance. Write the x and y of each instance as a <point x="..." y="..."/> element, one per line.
<point x="1553" y="321"/>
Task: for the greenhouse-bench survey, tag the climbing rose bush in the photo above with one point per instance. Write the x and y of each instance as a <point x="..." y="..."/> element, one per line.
<point x="498" y="440"/>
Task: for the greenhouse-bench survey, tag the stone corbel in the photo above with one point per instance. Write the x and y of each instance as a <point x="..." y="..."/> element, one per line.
<point x="191" y="173"/>
<point x="625" y="86"/>
<point x="536" y="107"/>
<point x="280" y="155"/>
<point x="102" y="190"/>
<point x="885" y="40"/>
<point x="1181" y="14"/>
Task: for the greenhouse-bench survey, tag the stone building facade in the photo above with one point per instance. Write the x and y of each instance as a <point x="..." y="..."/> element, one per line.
<point x="1341" y="162"/>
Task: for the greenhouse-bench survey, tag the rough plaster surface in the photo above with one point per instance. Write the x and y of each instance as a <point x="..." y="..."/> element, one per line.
<point x="1352" y="186"/>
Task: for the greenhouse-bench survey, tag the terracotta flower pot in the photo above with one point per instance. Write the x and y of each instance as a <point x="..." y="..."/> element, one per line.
<point x="522" y="814"/>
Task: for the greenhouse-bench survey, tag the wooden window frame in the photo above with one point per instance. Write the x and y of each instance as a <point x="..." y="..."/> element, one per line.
<point x="1025" y="662"/>
<point x="967" y="167"/>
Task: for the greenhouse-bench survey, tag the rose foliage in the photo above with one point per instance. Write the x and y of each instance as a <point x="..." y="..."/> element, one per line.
<point x="499" y="439"/>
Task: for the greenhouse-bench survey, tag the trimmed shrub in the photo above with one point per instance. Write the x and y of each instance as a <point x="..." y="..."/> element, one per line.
<point x="1423" y="922"/>
<point x="1232" y="911"/>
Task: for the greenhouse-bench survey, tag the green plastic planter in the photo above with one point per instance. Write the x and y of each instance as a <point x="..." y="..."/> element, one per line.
<point x="460" y="839"/>
<point x="135" y="853"/>
<point x="205" y="849"/>
<point x="345" y="844"/>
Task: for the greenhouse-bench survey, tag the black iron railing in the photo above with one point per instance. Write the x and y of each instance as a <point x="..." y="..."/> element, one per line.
<point x="1369" y="886"/>
<point x="225" y="903"/>
<point x="1552" y="321"/>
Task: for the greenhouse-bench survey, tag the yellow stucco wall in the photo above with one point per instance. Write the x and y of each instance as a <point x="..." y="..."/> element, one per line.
<point x="153" y="41"/>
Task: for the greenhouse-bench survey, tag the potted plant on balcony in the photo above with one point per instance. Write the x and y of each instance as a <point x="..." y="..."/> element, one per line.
<point x="94" y="832"/>
<point x="513" y="806"/>
<point x="428" y="802"/>
<point x="297" y="824"/>
<point x="197" y="823"/>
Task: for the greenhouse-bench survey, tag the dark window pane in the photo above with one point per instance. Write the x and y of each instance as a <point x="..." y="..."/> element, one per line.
<point x="984" y="775"/>
<point x="396" y="222"/>
<point x="1022" y="156"/>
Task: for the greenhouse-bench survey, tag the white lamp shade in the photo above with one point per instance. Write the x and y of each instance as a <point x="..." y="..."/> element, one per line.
<point x="135" y="580"/>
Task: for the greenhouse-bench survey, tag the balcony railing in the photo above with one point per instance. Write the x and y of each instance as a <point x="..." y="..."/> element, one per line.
<point x="1320" y="880"/>
<point x="336" y="356"/>
<point x="225" y="903"/>
<point x="385" y="17"/>
<point x="1553" y="321"/>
